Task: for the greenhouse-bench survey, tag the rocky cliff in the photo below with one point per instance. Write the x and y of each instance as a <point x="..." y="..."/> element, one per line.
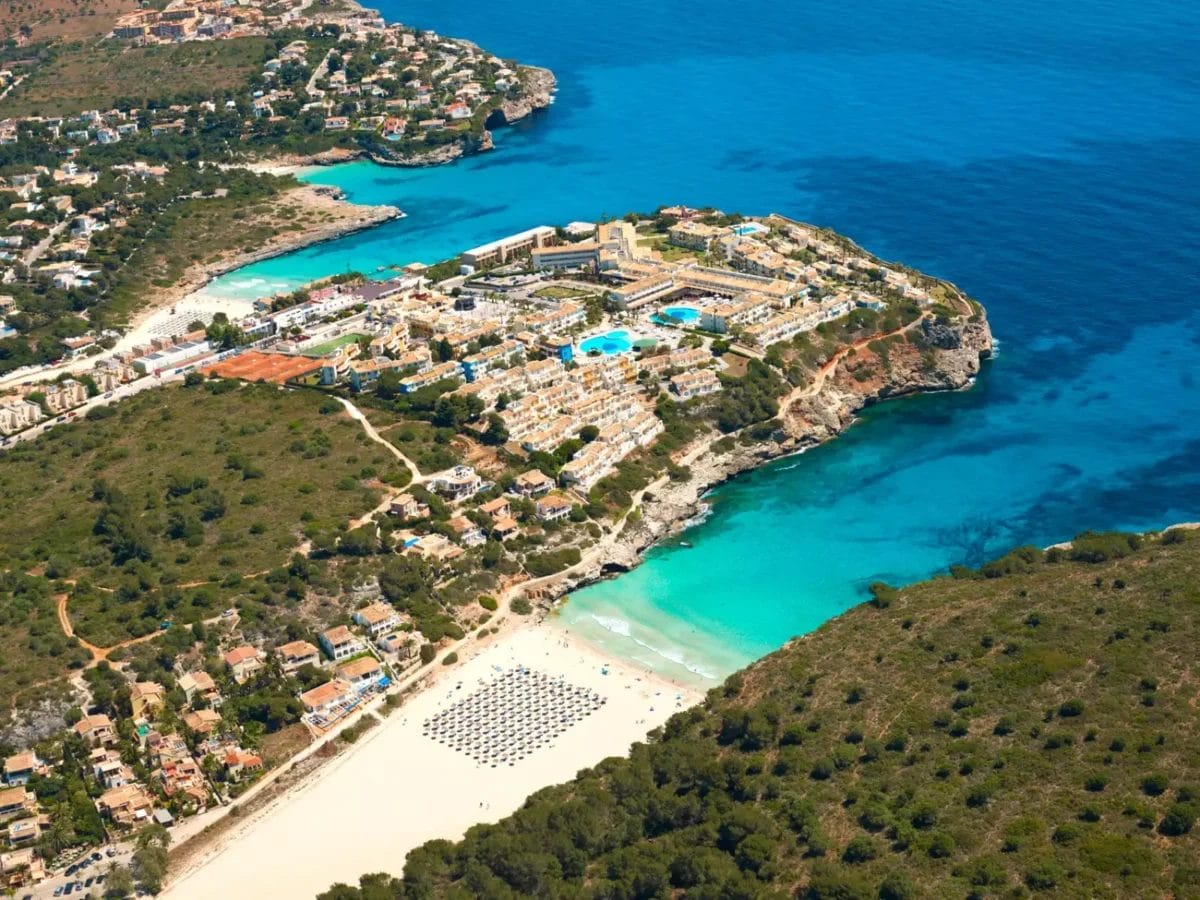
<point x="933" y="356"/>
<point x="537" y="92"/>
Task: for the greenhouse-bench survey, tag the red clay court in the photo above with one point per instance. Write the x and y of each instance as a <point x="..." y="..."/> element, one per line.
<point x="273" y="367"/>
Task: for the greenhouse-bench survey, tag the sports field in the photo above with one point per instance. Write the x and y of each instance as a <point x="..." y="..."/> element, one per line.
<point x="329" y="346"/>
<point x="273" y="367"/>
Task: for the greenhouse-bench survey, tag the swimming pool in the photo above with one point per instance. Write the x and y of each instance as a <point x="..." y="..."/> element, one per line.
<point x="608" y="344"/>
<point x="685" y="315"/>
<point x="747" y="228"/>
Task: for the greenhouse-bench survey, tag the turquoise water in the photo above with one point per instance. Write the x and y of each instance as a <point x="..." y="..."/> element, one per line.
<point x="609" y="344"/>
<point x="1043" y="155"/>
<point x="686" y="315"/>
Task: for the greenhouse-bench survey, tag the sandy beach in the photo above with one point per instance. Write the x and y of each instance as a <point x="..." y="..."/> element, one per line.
<point x="397" y="788"/>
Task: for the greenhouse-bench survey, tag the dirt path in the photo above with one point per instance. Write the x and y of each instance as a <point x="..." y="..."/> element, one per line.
<point x="814" y="387"/>
<point x="98" y="653"/>
<point x="357" y="415"/>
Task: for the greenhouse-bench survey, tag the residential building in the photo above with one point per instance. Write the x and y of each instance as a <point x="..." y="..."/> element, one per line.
<point x="296" y="654"/>
<point x="409" y="507"/>
<point x="437" y="547"/>
<point x="361" y="673"/>
<point x="377" y="618"/>
<point x="21" y="867"/>
<point x="128" y="806"/>
<point x="400" y="643"/>
<point x="96" y="729"/>
<point x="505" y="528"/>
<point x="17" y="802"/>
<point x="340" y="643"/>
<point x="202" y="721"/>
<point x="499" y="508"/>
<point x="199" y="684"/>
<point x="552" y="508"/>
<point x="19" y="768"/>
<point x="469" y="534"/>
<point x="457" y="483"/>
<point x="146" y="698"/>
<point x="243" y="662"/>
<point x="326" y="698"/>
<point x="533" y="483"/>
<point x="238" y="761"/>
<point x="23" y="832"/>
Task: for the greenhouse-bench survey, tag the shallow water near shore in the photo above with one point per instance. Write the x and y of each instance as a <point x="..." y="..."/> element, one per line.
<point x="1044" y="156"/>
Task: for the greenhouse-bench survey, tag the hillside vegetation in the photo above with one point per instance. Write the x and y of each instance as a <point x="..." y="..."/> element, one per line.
<point x="161" y="508"/>
<point x="81" y="76"/>
<point x="1027" y="729"/>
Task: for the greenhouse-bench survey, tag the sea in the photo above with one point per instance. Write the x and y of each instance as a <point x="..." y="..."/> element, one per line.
<point x="1044" y="156"/>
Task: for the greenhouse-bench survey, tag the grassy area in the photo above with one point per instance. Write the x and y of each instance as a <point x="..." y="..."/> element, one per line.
<point x="1025" y="729"/>
<point x="330" y="346"/>
<point x="161" y="509"/>
<point x="75" y="20"/>
<point x="669" y="252"/>
<point x="561" y="292"/>
<point x="95" y="76"/>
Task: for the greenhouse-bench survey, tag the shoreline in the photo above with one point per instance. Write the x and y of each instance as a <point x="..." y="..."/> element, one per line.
<point x="273" y="842"/>
<point x="348" y="218"/>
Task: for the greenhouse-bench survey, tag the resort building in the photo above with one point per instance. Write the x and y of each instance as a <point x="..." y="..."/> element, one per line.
<point x="693" y="235"/>
<point x="568" y="256"/>
<point x="377" y="619"/>
<point x="479" y="364"/>
<point x="724" y="318"/>
<point x="688" y="385"/>
<point x="782" y="327"/>
<point x="443" y="372"/>
<point x="243" y="662"/>
<point x="498" y="252"/>
<point x="340" y="643"/>
<point x="295" y="654"/>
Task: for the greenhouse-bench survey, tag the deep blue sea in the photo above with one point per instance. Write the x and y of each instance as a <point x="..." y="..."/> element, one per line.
<point x="1045" y="156"/>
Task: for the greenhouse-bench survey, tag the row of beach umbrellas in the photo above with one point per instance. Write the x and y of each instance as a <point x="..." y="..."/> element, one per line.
<point x="512" y="716"/>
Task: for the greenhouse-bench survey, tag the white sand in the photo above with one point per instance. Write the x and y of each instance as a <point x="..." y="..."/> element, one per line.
<point x="397" y="789"/>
